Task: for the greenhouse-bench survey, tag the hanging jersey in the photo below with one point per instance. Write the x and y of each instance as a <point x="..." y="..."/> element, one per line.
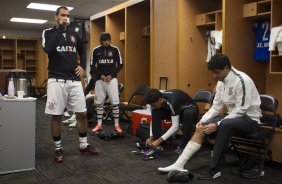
<point x="262" y="30"/>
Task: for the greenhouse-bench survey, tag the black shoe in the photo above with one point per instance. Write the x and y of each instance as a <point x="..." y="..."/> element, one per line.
<point x="90" y="150"/>
<point x="248" y="173"/>
<point x="58" y="156"/>
<point x="252" y="173"/>
<point x="209" y="174"/>
<point x="245" y="164"/>
<point x="141" y="146"/>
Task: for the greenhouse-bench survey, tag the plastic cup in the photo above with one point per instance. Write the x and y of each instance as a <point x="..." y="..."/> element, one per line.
<point x="20" y="94"/>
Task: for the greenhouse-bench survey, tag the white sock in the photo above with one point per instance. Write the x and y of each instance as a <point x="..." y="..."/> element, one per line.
<point x="58" y="145"/>
<point x="115" y="112"/>
<point x="116" y="121"/>
<point x="100" y="111"/>
<point x="191" y="148"/>
<point x="83" y="142"/>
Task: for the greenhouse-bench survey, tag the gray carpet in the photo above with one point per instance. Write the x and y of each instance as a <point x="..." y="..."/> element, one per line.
<point x="116" y="164"/>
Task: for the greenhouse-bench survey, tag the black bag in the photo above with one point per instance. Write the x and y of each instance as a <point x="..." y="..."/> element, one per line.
<point x="106" y="135"/>
<point x="143" y="131"/>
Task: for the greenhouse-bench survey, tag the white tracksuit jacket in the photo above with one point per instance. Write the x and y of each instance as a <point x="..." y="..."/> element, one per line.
<point x="240" y="96"/>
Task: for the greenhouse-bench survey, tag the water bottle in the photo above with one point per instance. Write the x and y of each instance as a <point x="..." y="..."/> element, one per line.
<point x="11" y="88"/>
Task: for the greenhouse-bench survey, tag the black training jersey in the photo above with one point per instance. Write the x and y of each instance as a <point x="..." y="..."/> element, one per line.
<point x="106" y="61"/>
<point x="62" y="49"/>
<point x="175" y="100"/>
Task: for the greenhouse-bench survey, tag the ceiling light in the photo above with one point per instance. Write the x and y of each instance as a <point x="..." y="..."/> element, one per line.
<point x="24" y="20"/>
<point x="4" y="37"/>
<point x="48" y="7"/>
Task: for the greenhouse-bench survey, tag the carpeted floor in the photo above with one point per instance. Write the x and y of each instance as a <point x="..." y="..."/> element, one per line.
<point x="116" y="164"/>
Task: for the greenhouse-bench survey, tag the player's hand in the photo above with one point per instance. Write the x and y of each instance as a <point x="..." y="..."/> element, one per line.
<point x="157" y="142"/>
<point x="108" y="78"/>
<point x="79" y="71"/>
<point x="149" y="141"/>
<point x="210" y="128"/>
<point x="199" y="125"/>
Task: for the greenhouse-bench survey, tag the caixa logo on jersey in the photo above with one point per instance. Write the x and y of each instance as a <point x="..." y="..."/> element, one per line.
<point x="66" y="49"/>
<point x="106" y="61"/>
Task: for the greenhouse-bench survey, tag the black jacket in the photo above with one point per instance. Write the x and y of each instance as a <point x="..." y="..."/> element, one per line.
<point x="106" y="61"/>
<point x="62" y="49"/>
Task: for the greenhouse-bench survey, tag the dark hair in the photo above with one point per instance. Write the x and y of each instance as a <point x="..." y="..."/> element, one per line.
<point x="105" y="36"/>
<point x="219" y="62"/>
<point x="61" y="7"/>
<point x="153" y="95"/>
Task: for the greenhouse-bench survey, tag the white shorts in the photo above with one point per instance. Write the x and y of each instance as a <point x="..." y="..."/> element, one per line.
<point x="104" y="89"/>
<point x="63" y="94"/>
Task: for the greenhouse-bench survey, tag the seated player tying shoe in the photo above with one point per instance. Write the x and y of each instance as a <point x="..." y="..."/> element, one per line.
<point x="174" y="105"/>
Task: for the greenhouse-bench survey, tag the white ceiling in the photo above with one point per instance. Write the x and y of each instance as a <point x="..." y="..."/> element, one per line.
<point x="83" y="9"/>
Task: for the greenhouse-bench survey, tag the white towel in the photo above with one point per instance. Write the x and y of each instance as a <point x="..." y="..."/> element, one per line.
<point x="275" y="36"/>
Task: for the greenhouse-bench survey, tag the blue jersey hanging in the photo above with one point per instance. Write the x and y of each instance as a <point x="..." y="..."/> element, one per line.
<point x="262" y="30"/>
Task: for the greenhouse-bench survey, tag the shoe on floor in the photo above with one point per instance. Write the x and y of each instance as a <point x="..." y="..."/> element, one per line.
<point x="253" y="173"/>
<point x="67" y="121"/>
<point x="118" y="129"/>
<point x="73" y="124"/>
<point x="151" y="152"/>
<point x="58" y="156"/>
<point x="209" y="174"/>
<point x="97" y="128"/>
<point x="91" y="150"/>
<point x="179" y="176"/>
<point x="70" y="120"/>
<point x="172" y="167"/>
<point x="66" y="114"/>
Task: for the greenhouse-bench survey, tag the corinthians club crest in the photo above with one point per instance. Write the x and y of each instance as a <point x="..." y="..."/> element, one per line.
<point x="72" y="39"/>
<point x="230" y="91"/>
<point x="110" y="54"/>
